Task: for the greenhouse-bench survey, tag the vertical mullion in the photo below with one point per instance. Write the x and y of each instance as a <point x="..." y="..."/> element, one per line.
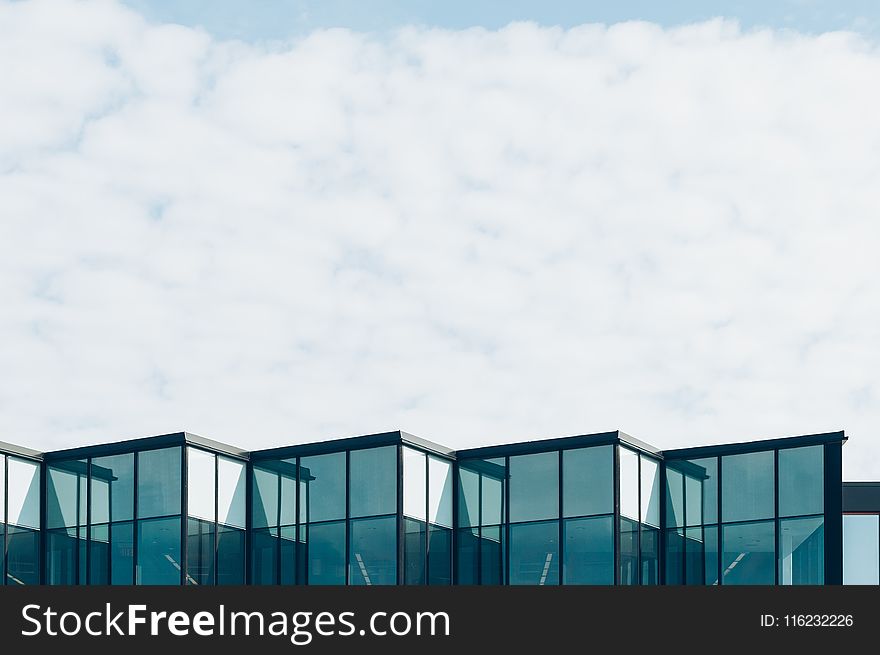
<point x="348" y="517"/>
<point x="136" y="518"/>
<point x="278" y="498"/>
<point x="639" y="520"/>
<point x="184" y="512"/>
<point x="426" y="561"/>
<point x="559" y="520"/>
<point x="216" y="574"/>
<point x="777" y="561"/>
<point x="89" y="522"/>
<point x="719" y="461"/>
<point x="505" y="533"/>
<point x="617" y="515"/>
<point x="480" y="527"/>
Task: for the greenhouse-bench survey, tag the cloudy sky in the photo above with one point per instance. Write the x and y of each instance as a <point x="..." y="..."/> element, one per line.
<point x="476" y="234"/>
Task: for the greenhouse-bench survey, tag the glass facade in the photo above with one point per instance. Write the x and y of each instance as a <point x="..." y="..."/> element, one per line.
<point x="387" y="510"/>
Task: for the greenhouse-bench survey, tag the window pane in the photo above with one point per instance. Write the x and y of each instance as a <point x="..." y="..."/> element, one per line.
<point x="711" y="554"/>
<point x="374" y="551"/>
<point x="802" y="551"/>
<point x="200" y="484"/>
<point x="64" y="499"/>
<point x="23" y="497"/>
<point x="415" y="497"/>
<point x="674" y="497"/>
<point x="492" y="502"/>
<point x="468" y="497"/>
<point x="629" y="552"/>
<point x="749" y="555"/>
<point x="159" y="550"/>
<point x="291" y="556"/>
<point x="675" y="547"/>
<point x="122" y="553"/>
<point x="264" y="556"/>
<point x="231" y="502"/>
<point x="650" y="498"/>
<point x="491" y="555"/>
<point x="439" y="556"/>
<point x="802" y="481"/>
<point x="373" y="481"/>
<point x="326" y="548"/>
<point x="324" y="476"/>
<point x="440" y="491"/>
<point x="468" y="556"/>
<point x="113" y="488"/>
<point x="861" y="549"/>
<point x="588" y="481"/>
<point x="629" y="484"/>
<point x="230" y="556"/>
<point x="62" y="554"/>
<point x="650" y="551"/>
<point x="748" y="488"/>
<point x="414" y="550"/>
<point x="159" y="482"/>
<point x="200" y="552"/>
<point x="99" y="555"/>
<point x="534" y="553"/>
<point x="589" y="551"/>
<point x="2" y="495"/>
<point x="534" y="487"/>
<point x="701" y="491"/>
<point x="22" y="554"/>
<point x="265" y="498"/>
<point x="695" y="556"/>
<point x="288" y="473"/>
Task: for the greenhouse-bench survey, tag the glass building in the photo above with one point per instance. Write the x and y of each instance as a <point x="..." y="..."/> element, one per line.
<point x="393" y="509"/>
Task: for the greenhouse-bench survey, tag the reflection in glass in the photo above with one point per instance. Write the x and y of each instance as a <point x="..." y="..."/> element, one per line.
<point x="159" y="482"/>
<point x="492" y="501"/>
<point x="439" y="555"/>
<point x="264" y="556"/>
<point x="629" y="552"/>
<point x="112" y="488"/>
<point x="292" y="555"/>
<point x="62" y="554"/>
<point x="747" y="486"/>
<point x="373" y="481"/>
<point x="325" y="499"/>
<point x="650" y="491"/>
<point x="415" y="545"/>
<point x="326" y="558"/>
<point x="230" y="555"/>
<point x="802" y="481"/>
<point x="749" y="553"/>
<point x="22" y="554"/>
<point x="534" y="487"/>
<point x="491" y="555"/>
<point x="201" y="477"/>
<point x="588" y="481"/>
<point x="589" y="551"/>
<point x="468" y="497"/>
<point x="439" y="491"/>
<point x="650" y="555"/>
<point x="264" y="498"/>
<point x="861" y="549"/>
<point x="675" y="553"/>
<point x="99" y="555"/>
<point x="674" y="497"/>
<point x="23" y="500"/>
<point x="200" y="552"/>
<point x="415" y="484"/>
<point x="467" y="560"/>
<point x="629" y="484"/>
<point x="373" y="551"/>
<point x="701" y="490"/>
<point x="802" y="551"/>
<point x="122" y="553"/>
<point x="66" y="494"/>
<point x="534" y="553"/>
<point x="231" y="490"/>
<point x="158" y="551"/>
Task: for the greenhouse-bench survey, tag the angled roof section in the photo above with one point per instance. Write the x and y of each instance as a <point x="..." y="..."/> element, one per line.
<point x="19" y="451"/>
<point x="145" y="443"/>
<point x="756" y="446"/>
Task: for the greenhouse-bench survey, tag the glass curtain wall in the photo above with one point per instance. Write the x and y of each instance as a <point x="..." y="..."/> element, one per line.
<point x="639" y="555"/>
<point x="480" y="533"/>
<point x="20" y="520"/>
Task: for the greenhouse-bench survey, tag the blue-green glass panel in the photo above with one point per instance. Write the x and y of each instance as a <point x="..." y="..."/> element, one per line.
<point x="324" y="488"/>
<point x="373" y="551"/>
<point x="802" y="551"/>
<point x="373" y="481"/>
<point x="159" y="488"/>
<point x="534" y="486"/>
<point x="158" y="547"/>
<point x="326" y="553"/>
<point x="588" y="481"/>
<point x="748" y="489"/>
<point x="534" y="553"/>
<point x="589" y="551"/>
<point x="802" y="481"/>
<point x="748" y="553"/>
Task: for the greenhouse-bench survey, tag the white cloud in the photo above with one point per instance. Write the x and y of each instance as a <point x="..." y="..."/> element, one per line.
<point x="475" y="236"/>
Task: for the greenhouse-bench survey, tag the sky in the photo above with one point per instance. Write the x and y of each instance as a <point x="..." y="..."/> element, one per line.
<point x="276" y="226"/>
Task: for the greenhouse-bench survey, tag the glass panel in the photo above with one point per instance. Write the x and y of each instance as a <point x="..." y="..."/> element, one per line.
<point x="99" y="555"/>
<point x="374" y="551"/>
<point x="749" y="555"/>
<point x="711" y="554"/>
<point x="861" y="549"/>
<point x="674" y="497"/>
<point x="589" y="551"/>
<point x="230" y="556"/>
<point x="588" y="481"/>
<point x="696" y="557"/>
<point x="63" y="497"/>
<point x="468" y="497"/>
<point x="439" y="556"/>
<point x="650" y="498"/>
<point x="414" y="550"/>
<point x="748" y="487"/>
<point x="159" y="483"/>
<point x="2" y="495"/>
<point x="290" y="556"/>
<point x="200" y="552"/>
<point x="629" y="484"/>
<point x="122" y="553"/>
<point x="326" y="549"/>
<point x="802" y="551"/>
<point x="324" y="476"/>
<point x="701" y="490"/>
<point x="802" y="481"/>
<point x="468" y="556"/>
<point x="231" y="501"/>
<point x="534" y="552"/>
<point x="62" y="553"/>
<point x="264" y="556"/>
<point x="650" y="551"/>
<point x="265" y="498"/>
<point x="158" y="548"/>
<point x="492" y="502"/>
<point x="287" y="471"/>
<point x="491" y="555"/>
<point x="22" y="551"/>
<point x="414" y="485"/>
<point x="629" y="552"/>
<point x="113" y="488"/>
<point x="534" y="487"/>
<point x="439" y="491"/>
<point x="23" y="499"/>
<point x="675" y="548"/>
<point x="373" y="481"/>
<point x="200" y="485"/>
